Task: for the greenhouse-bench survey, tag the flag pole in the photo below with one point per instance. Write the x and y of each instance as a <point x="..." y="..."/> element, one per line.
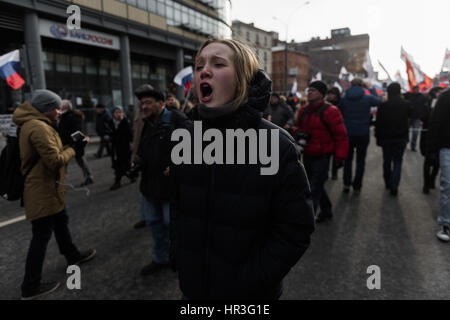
<point x="187" y="99"/>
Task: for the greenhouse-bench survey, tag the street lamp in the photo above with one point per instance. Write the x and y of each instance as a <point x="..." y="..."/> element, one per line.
<point x="286" y="25"/>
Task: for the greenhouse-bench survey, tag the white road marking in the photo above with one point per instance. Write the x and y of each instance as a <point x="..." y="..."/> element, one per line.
<point x="12" y="221"/>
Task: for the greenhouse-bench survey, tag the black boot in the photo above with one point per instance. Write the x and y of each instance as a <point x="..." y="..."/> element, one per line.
<point x="116" y="185"/>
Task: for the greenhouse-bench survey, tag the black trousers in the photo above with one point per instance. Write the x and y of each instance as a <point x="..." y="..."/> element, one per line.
<point x="104" y="143"/>
<point x="430" y="171"/>
<point x="42" y="233"/>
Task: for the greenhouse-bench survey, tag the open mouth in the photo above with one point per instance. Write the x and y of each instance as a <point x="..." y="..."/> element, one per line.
<point x="206" y="91"/>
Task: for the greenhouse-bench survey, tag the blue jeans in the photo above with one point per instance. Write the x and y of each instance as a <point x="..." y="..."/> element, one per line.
<point x="444" y="212"/>
<point x="414" y="124"/>
<point x="317" y="172"/>
<point x="360" y="143"/>
<point x="393" y="151"/>
<point x="157" y="216"/>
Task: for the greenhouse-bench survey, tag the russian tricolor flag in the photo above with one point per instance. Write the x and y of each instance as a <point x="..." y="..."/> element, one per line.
<point x="184" y="79"/>
<point x="10" y="68"/>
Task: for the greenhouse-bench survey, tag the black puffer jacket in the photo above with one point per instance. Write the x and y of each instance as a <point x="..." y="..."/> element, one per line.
<point x="235" y="233"/>
<point x="70" y="122"/>
<point x="393" y="120"/>
<point x="154" y="154"/>
<point x="419" y="104"/>
<point x="282" y="114"/>
<point x="439" y="128"/>
<point x="121" y="138"/>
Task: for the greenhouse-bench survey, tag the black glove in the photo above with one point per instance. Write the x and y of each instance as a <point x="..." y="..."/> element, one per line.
<point x="78" y="146"/>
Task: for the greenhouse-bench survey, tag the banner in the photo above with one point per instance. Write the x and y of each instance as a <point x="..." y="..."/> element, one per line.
<point x="184" y="78"/>
<point x="10" y="69"/>
<point x="416" y="77"/>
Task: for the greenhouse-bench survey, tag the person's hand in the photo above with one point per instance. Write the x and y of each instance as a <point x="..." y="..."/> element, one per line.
<point x="78" y="146"/>
<point x="339" y="163"/>
<point x="167" y="172"/>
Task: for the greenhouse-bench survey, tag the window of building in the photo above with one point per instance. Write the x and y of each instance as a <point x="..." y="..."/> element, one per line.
<point x="151" y="5"/>
<point x="104" y="68"/>
<point x="136" y="71"/>
<point x="257" y="38"/>
<point x="62" y="63"/>
<point x="142" y="4"/>
<point x="49" y="60"/>
<point x="248" y="36"/>
<point x="91" y="67"/>
<point x="115" y="69"/>
<point x="161" y="8"/>
<point x="77" y="64"/>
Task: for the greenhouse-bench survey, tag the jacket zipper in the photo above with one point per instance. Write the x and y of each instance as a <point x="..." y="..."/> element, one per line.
<point x="210" y="198"/>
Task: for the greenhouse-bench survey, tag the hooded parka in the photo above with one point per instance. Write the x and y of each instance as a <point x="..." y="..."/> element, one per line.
<point x="44" y="186"/>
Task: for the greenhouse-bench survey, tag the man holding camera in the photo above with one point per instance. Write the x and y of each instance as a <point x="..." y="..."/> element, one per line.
<point x="324" y="126"/>
<point x="41" y="150"/>
<point x="153" y="159"/>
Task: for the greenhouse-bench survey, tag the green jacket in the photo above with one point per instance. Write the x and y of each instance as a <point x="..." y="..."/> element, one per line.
<point x="44" y="186"/>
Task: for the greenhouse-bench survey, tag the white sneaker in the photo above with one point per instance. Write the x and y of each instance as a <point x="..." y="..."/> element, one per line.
<point x="444" y="234"/>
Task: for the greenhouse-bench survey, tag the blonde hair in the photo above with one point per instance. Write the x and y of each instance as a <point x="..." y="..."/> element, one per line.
<point x="245" y="63"/>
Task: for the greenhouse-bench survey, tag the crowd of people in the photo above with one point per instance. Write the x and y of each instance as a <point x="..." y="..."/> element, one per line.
<point x="227" y="230"/>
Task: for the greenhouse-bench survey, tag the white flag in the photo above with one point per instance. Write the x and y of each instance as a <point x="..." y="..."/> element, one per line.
<point x="367" y="65"/>
<point x="294" y="87"/>
<point x="446" y="64"/>
<point x="317" y="77"/>
<point x="337" y="85"/>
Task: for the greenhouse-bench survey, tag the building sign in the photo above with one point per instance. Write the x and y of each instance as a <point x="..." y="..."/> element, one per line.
<point x="60" y="31"/>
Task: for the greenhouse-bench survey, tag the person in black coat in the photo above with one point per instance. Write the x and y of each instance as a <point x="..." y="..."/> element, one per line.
<point x="103" y="130"/>
<point x="419" y="105"/>
<point x="430" y="168"/>
<point x="334" y="97"/>
<point x="438" y="149"/>
<point x="121" y="138"/>
<point x="391" y="132"/>
<point x="236" y="232"/>
<point x="71" y="121"/>
<point x="153" y="159"/>
<point x="280" y="113"/>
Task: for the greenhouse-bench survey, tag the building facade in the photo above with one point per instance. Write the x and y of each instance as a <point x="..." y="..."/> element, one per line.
<point x="258" y="40"/>
<point x="329" y="55"/>
<point x="297" y="69"/>
<point x="121" y="45"/>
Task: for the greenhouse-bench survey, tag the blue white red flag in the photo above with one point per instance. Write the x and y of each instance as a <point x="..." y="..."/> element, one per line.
<point x="10" y="68"/>
<point x="185" y="78"/>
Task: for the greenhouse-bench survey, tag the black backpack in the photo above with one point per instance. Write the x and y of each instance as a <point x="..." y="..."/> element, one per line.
<point x="319" y="113"/>
<point x="11" y="177"/>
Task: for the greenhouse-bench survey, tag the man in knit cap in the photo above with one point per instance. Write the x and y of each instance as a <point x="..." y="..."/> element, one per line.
<point x="44" y="159"/>
<point x="324" y="125"/>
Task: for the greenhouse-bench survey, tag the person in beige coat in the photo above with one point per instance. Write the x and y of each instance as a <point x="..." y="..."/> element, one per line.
<point x="41" y="150"/>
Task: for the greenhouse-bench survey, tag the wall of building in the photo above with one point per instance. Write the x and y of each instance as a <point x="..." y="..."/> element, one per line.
<point x="333" y="53"/>
<point x="258" y="40"/>
<point x="297" y="64"/>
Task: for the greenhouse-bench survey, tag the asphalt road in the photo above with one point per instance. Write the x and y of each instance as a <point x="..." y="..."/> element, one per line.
<point x="395" y="234"/>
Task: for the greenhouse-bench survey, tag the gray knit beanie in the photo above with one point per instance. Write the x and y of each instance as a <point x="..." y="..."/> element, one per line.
<point x="45" y="100"/>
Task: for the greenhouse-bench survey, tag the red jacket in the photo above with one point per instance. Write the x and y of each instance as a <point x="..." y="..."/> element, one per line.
<point x="324" y="140"/>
